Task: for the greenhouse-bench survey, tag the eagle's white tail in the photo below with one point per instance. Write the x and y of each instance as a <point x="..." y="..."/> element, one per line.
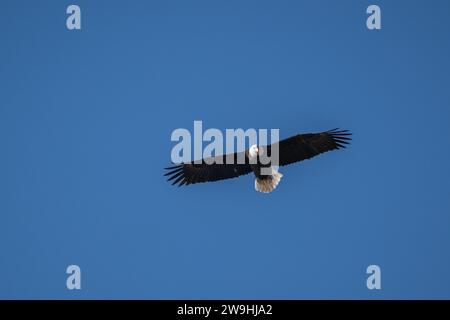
<point x="268" y="183"/>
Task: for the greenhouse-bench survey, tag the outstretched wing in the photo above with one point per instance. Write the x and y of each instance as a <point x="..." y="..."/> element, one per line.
<point x="306" y="146"/>
<point x="211" y="169"/>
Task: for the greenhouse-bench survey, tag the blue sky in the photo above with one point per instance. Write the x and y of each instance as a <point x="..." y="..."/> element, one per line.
<point x="85" y="124"/>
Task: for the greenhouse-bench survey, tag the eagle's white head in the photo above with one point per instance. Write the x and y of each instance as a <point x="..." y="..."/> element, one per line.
<point x="253" y="151"/>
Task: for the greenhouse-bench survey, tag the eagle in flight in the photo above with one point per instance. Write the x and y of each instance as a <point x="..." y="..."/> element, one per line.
<point x="294" y="149"/>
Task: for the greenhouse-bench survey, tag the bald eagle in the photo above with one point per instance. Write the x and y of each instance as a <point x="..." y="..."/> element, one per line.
<point x="294" y="149"/>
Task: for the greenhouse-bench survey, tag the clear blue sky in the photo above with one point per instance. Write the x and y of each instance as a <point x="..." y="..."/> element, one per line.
<point x="85" y="124"/>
